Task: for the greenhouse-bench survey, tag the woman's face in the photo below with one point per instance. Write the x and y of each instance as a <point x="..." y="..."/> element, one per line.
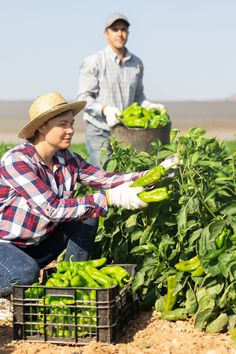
<point x="59" y="131"/>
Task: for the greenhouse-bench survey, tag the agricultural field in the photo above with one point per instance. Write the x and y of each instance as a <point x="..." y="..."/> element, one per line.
<point x="184" y="247"/>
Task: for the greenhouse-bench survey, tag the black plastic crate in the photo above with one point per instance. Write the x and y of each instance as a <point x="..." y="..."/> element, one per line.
<point x="73" y="315"/>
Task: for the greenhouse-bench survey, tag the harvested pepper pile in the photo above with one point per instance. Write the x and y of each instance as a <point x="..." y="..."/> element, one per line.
<point x="136" y="116"/>
<point x="90" y="274"/>
<point x="66" y="304"/>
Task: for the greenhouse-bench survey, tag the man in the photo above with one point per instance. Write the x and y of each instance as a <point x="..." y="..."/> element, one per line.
<point x="110" y="81"/>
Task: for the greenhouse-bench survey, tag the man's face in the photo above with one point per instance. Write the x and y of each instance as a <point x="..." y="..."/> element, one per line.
<point x="117" y="34"/>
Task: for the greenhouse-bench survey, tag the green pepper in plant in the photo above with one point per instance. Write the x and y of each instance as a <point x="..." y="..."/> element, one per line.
<point x="215" y="254"/>
<point x="188" y="265"/>
<point x="198" y="272"/>
<point x="222" y="237"/>
<point x="174" y="315"/>
<point x="151" y="177"/>
<point x="171" y="296"/>
<point x="154" y="195"/>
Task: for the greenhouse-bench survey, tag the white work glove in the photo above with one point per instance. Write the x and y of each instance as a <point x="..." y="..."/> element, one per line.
<point x="171" y="163"/>
<point x="148" y="105"/>
<point x="111" y="114"/>
<point x="125" y="196"/>
<point x="158" y="106"/>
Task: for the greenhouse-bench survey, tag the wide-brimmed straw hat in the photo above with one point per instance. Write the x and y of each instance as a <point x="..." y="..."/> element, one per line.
<point x="46" y="107"/>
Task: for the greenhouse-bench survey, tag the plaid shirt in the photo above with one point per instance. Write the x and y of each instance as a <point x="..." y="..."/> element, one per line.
<point x="103" y="80"/>
<point x="34" y="199"/>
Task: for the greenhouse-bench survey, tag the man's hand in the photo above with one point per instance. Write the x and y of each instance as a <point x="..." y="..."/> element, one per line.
<point x="111" y="114"/>
<point x="158" y="106"/>
<point x="126" y="197"/>
<point x="148" y="105"/>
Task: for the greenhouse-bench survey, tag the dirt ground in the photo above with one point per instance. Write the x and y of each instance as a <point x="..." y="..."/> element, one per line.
<point x="147" y="334"/>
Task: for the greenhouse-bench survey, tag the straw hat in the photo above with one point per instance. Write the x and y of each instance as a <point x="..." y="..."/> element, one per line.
<point x="46" y="107"/>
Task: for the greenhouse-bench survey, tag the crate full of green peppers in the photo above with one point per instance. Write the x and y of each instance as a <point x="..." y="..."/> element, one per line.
<point x="75" y="303"/>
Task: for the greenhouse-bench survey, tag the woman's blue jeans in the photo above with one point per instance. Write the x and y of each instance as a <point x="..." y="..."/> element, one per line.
<point x="22" y="265"/>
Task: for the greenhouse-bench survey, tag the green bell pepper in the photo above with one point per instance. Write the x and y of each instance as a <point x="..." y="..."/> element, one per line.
<point x="151" y="177"/>
<point x="101" y="278"/>
<point x="154" y="195"/>
<point x="89" y="281"/>
<point x="119" y="273"/>
<point x="188" y="265"/>
<point x="171" y="296"/>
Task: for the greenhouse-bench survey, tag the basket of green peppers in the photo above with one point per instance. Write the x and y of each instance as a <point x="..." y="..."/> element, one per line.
<point x="90" y="274"/>
<point x="140" y="127"/>
<point x="72" y="302"/>
<point x="136" y="116"/>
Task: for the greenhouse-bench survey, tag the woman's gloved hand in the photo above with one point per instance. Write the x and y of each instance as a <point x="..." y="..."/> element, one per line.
<point x="171" y="161"/>
<point x="125" y="196"/>
<point x="111" y="114"/>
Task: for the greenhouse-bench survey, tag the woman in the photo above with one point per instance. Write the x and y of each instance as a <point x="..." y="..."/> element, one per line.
<point x="39" y="214"/>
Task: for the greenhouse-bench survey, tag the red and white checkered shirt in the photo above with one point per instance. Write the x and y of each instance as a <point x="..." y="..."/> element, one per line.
<point x="34" y="199"/>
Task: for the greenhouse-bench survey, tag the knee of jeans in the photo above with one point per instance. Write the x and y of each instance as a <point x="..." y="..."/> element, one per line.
<point x="30" y="273"/>
<point x="27" y="275"/>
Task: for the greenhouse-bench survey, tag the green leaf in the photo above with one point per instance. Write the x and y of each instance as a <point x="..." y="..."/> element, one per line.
<point x="202" y="316"/>
<point x="131" y="221"/>
<point x="218" y="325"/>
<point x="136" y="235"/>
<point x="182" y="220"/>
<point x="160" y="304"/>
<point x="140" y="250"/>
<point x="196" y="132"/>
<point x="191" y="302"/>
<point x="145" y="235"/>
<point x="229" y="209"/>
<point x="138" y="280"/>
<point x="227" y="264"/>
<point x="111" y="166"/>
<point x="194" y="157"/>
<point x="211" y="193"/>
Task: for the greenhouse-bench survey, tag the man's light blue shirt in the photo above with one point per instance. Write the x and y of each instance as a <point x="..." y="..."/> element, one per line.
<point x="104" y="80"/>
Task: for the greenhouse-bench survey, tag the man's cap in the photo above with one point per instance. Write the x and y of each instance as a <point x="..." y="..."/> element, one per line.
<point x="115" y="17"/>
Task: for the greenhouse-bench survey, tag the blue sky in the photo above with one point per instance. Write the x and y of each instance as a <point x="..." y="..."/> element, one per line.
<point x="187" y="46"/>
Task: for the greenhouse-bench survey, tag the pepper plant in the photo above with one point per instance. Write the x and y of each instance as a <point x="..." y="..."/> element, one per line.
<point x="197" y="221"/>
